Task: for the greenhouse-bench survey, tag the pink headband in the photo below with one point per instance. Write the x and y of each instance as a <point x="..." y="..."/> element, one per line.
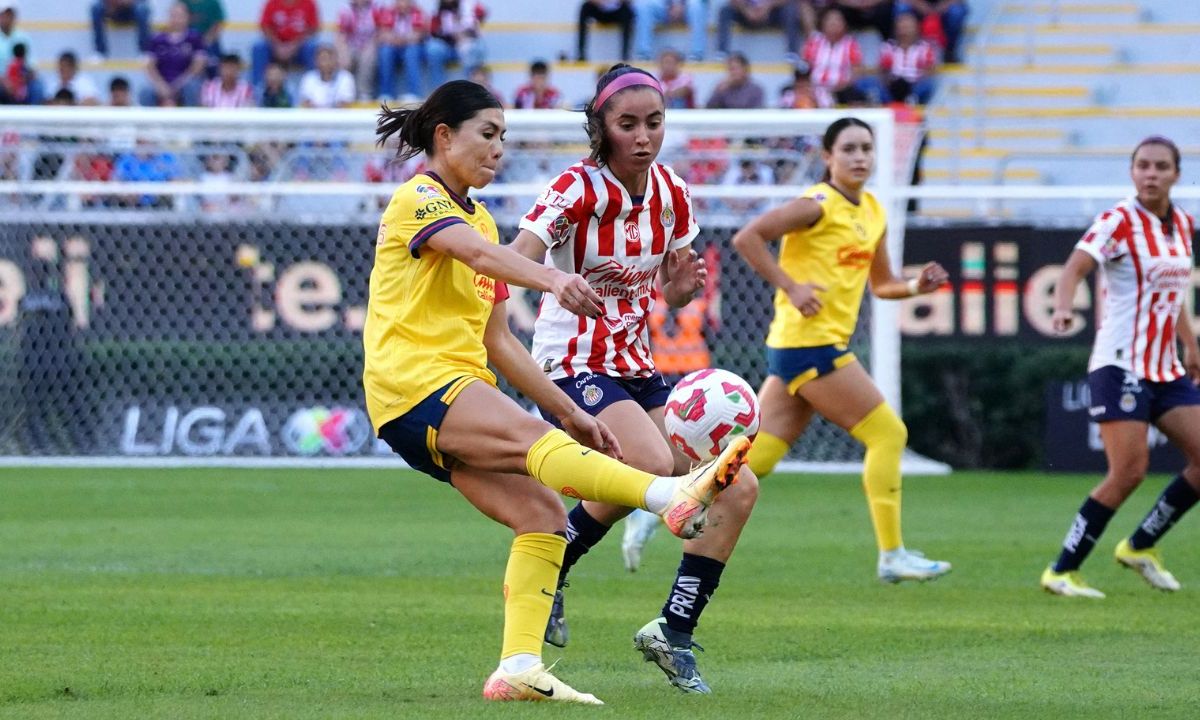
<point x="625" y="81"/>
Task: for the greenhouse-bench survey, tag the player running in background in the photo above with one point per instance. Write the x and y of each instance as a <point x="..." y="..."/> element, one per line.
<point x="621" y="219"/>
<point x="435" y="319"/>
<point x="834" y="242"/>
<point x="1143" y="247"/>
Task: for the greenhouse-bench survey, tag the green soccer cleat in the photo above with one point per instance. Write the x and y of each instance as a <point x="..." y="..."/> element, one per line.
<point x="1148" y="564"/>
<point x="1067" y="584"/>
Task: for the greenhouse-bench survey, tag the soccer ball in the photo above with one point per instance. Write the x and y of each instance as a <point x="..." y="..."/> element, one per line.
<point x="707" y="409"/>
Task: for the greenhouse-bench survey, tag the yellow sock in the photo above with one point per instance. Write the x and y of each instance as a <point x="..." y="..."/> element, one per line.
<point x="565" y="466"/>
<point x="884" y="434"/>
<point x="529" y="582"/>
<point x="766" y="453"/>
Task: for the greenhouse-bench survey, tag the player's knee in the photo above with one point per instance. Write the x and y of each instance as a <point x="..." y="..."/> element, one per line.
<point x="542" y="512"/>
<point x="882" y="429"/>
<point x="1128" y="472"/>
<point x="744" y="493"/>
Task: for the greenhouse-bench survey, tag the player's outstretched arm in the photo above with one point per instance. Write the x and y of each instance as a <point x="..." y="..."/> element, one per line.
<point x="512" y="360"/>
<point x="1078" y="266"/>
<point x="462" y="243"/>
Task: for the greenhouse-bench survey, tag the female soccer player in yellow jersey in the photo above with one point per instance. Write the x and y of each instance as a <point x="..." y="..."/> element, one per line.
<point x="834" y="242"/>
<point x="435" y="319"/>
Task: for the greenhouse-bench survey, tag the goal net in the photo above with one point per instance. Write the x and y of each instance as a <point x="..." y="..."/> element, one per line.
<point x="189" y="285"/>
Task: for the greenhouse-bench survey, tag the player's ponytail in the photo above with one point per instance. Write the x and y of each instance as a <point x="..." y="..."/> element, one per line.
<point x="451" y="104"/>
<point x="831" y="135"/>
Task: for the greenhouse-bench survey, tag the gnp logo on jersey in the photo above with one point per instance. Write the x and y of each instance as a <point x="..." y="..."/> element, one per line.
<point x="592" y="395"/>
<point x="334" y="431"/>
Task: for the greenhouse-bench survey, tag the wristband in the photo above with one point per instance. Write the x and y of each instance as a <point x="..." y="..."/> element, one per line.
<point x="914" y="286"/>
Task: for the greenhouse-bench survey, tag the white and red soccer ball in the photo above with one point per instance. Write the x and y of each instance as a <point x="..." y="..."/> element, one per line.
<point x="707" y="409"/>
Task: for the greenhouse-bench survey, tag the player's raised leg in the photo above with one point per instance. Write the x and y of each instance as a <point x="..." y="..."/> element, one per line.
<point x="485" y="429"/>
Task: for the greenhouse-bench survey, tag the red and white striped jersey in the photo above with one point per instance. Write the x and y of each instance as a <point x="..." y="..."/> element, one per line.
<point x="832" y="63"/>
<point x="617" y="243"/>
<point x="911" y="63"/>
<point x="214" y="96"/>
<point x="1146" y="273"/>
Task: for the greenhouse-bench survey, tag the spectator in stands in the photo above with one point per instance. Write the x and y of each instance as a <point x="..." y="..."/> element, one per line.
<point x="538" y="93"/>
<point x="454" y="36"/>
<point x="119" y="92"/>
<point x="228" y="89"/>
<point x="608" y="12"/>
<point x="207" y="17"/>
<point x="10" y="38"/>
<point x="175" y="63"/>
<point x="836" y="60"/>
<point x="326" y="86"/>
<point x="482" y="75"/>
<point x="867" y="14"/>
<point x="274" y="92"/>
<point x="217" y="175"/>
<point x="14" y="84"/>
<point x="679" y="90"/>
<point x="402" y="32"/>
<point x="799" y="93"/>
<point x="737" y="91"/>
<point x="648" y="14"/>
<point x="907" y="64"/>
<point x="355" y="42"/>
<point x="81" y="85"/>
<point x="143" y="164"/>
<point x="747" y="172"/>
<point x="759" y="15"/>
<point x="942" y="21"/>
<point x="63" y="96"/>
<point x="289" y="30"/>
<point x="122" y="11"/>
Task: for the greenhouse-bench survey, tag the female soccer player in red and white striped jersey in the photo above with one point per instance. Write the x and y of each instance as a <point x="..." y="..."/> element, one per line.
<point x="1143" y="247"/>
<point x="621" y="219"/>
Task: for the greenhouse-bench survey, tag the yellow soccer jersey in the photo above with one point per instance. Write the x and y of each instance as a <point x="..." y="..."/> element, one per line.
<point x="426" y="312"/>
<point x="836" y="252"/>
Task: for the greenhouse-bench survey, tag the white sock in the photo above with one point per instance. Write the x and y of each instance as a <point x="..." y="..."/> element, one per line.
<point x="659" y="494"/>
<point x="519" y="663"/>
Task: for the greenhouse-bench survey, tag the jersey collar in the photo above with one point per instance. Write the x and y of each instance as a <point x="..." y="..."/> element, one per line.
<point x="465" y="203"/>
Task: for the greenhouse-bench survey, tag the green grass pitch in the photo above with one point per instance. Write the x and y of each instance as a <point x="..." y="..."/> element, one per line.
<point x="375" y="594"/>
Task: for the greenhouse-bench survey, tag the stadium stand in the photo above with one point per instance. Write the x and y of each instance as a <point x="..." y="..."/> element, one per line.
<point x="1053" y="92"/>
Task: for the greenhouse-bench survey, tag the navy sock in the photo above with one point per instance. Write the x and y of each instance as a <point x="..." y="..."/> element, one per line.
<point x="1176" y="499"/>
<point x="696" y="581"/>
<point x="1089" y="524"/>
<point x="583" y="532"/>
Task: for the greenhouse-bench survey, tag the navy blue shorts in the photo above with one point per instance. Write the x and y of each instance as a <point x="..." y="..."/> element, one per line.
<point x="796" y="366"/>
<point x="413" y="435"/>
<point x="1118" y="394"/>
<point x="594" y="392"/>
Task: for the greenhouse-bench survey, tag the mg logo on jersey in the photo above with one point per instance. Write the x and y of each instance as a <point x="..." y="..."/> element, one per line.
<point x="633" y="233"/>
